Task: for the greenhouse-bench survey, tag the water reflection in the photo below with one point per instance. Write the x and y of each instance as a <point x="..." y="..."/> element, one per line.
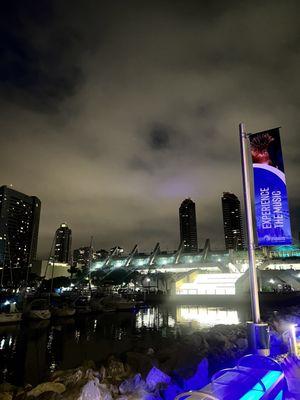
<point x="29" y="351"/>
<point x="196" y="316"/>
<point x="155" y="318"/>
<point x="204" y="317"/>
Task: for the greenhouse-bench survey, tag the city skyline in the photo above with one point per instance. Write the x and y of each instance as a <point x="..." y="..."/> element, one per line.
<point x="19" y="228"/>
<point x="113" y="114"/>
<point x="188" y="226"/>
<point x="233" y="222"/>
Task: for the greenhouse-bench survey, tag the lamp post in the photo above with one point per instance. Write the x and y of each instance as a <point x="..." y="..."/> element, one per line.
<point x="258" y="333"/>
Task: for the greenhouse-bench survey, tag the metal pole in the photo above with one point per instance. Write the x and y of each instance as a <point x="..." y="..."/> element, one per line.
<point x="89" y="263"/>
<point x="250" y="234"/>
<point x="52" y="275"/>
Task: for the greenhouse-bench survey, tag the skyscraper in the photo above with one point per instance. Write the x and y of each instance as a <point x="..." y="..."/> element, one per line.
<point x="63" y="240"/>
<point x="19" y="226"/>
<point x="188" y="226"/>
<point x="232" y="220"/>
<point x="83" y="255"/>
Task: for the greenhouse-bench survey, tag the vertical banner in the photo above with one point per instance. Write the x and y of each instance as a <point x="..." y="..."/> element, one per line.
<point x="271" y="200"/>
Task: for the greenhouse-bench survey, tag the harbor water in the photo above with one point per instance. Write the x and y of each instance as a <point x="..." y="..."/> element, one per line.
<point x="29" y="351"/>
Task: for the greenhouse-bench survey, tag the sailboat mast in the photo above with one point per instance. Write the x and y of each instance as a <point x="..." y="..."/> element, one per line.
<point x="89" y="263"/>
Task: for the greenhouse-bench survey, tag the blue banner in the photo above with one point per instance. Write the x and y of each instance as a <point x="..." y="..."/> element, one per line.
<point x="271" y="201"/>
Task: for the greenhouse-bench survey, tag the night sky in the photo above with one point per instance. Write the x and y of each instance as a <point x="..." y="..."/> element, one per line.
<point x="113" y="112"/>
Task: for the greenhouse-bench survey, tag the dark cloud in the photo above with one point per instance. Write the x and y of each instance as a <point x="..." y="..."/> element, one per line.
<point x="38" y="67"/>
<point x="113" y="112"/>
<point x="160" y="137"/>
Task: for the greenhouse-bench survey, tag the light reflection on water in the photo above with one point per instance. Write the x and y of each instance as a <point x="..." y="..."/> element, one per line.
<point x="204" y="317"/>
<point x="29" y="351"/>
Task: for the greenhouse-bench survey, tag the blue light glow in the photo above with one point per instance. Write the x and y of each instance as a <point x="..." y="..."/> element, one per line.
<point x="257" y="391"/>
<point x="279" y="396"/>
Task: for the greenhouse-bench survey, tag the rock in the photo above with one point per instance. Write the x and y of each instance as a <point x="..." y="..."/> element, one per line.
<point x="181" y="359"/>
<point x="132" y="385"/>
<point x="139" y="363"/>
<point x="6" y="396"/>
<point x="21" y="396"/>
<point x="7" y="387"/>
<point x="171" y="391"/>
<point x="90" y="391"/>
<point x="107" y="391"/>
<point x="47" y="387"/>
<point x="198" y="341"/>
<point x="90" y="374"/>
<point x="69" y="377"/>
<point x="113" y="389"/>
<point x="156" y="377"/>
<point x="73" y="392"/>
<point x="50" y="396"/>
<point x="199" y="379"/>
<point x="242" y="343"/>
<point x="117" y="370"/>
<point x="218" y="342"/>
<point x="88" y="364"/>
<point x="150" y="351"/>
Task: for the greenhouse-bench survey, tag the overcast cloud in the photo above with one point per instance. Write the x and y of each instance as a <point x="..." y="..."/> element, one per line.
<point x="114" y="112"/>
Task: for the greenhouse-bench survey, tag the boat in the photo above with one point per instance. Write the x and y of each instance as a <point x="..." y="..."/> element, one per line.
<point x="38" y="309"/>
<point x="61" y="307"/>
<point x="118" y="302"/>
<point x="63" y="310"/>
<point x="107" y="309"/>
<point x="9" y="313"/>
<point x="10" y="318"/>
<point x="82" y="305"/>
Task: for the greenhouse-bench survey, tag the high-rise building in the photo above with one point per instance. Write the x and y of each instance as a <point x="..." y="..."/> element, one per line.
<point x="63" y="240"/>
<point x="188" y="226"/>
<point x="19" y="226"/>
<point x="83" y="255"/>
<point x="232" y="220"/>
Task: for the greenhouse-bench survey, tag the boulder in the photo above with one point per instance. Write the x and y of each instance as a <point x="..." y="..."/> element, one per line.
<point x="90" y="391"/>
<point x="73" y="392"/>
<point x="6" y="396"/>
<point x="116" y="370"/>
<point x="56" y="387"/>
<point x="107" y="391"/>
<point x="22" y="393"/>
<point x="138" y="362"/>
<point x="69" y="377"/>
<point x="133" y="385"/>
<point x="200" y="377"/>
<point x="242" y="343"/>
<point x="218" y="342"/>
<point x="7" y="387"/>
<point x="88" y="364"/>
<point x="156" y="378"/>
<point x="182" y="359"/>
<point x="50" y="396"/>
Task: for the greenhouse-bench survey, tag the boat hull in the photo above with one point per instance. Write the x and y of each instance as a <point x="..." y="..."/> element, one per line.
<point x="10" y="318"/>
<point x="83" y="310"/>
<point x="63" y="312"/>
<point x="39" y="314"/>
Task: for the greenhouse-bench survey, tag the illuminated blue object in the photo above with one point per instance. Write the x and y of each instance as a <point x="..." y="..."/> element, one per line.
<point x="257" y="391"/>
<point x="271" y="201"/>
<point x="279" y="396"/>
<point x="254" y="378"/>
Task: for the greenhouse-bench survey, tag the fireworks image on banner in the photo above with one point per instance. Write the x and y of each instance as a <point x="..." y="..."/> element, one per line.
<point x="259" y="148"/>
